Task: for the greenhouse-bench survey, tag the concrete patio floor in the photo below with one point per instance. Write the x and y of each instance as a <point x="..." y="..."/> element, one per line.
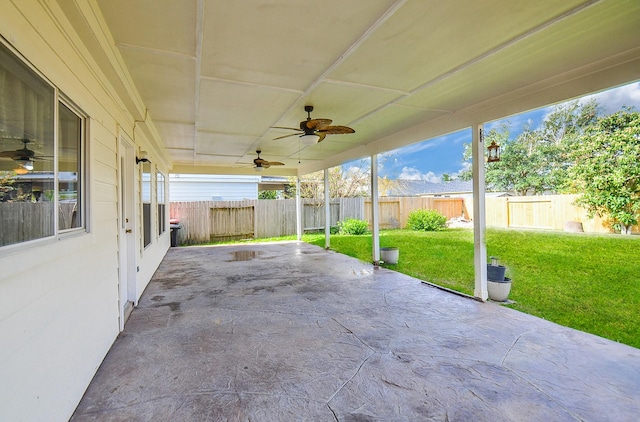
<point x="290" y="332"/>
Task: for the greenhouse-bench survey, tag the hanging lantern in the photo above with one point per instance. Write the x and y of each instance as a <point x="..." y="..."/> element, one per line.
<point x="494" y="152"/>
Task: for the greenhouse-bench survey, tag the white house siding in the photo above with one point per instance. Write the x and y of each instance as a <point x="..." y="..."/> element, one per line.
<point x="59" y="309"/>
<point x="199" y="187"/>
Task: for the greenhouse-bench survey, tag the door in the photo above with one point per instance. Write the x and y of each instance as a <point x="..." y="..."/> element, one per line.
<point x="127" y="230"/>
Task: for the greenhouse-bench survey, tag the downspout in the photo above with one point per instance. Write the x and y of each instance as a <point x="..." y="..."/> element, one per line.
<point x="479" y="217"/>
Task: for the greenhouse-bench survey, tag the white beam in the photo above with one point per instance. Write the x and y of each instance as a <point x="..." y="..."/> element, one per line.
<point x="375" y="233"/>
<point x="479" y="220"/>
<point x="327" y="210"/>
<point x="298" y="210"/>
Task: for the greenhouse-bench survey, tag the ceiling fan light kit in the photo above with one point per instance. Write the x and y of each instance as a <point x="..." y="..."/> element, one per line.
<point x="24" y="157"/>
<point x="309" y="139"/>
<point x="20" y="170"/>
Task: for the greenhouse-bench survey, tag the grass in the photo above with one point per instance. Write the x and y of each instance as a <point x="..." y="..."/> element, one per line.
<point x="587" y="282"/>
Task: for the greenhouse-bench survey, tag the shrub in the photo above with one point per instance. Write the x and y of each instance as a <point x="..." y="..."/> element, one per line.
<point x="353" y="226"/>
<point x="426" y="220"/>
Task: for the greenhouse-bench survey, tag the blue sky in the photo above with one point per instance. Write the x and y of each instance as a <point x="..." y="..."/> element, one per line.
<point x="429" y="160"/>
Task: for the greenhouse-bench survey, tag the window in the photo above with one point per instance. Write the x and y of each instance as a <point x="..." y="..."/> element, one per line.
<point x="146" y="204"/>
<point x="41" y="168"/>
<point x="161" y="204"/>
<point x="70" y="135"/>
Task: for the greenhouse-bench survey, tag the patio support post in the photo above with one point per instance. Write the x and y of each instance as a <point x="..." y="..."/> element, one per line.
<point x="375" y="232"/>
<point x="327" y="210"/>
<point x="479" y="218"/>
<point x="298" y="210"/>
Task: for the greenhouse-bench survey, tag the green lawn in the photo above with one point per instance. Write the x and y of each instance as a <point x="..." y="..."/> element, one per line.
<point x="588" y="282"/>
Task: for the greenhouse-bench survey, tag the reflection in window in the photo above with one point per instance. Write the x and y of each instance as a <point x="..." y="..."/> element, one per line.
<point x="70" y="129"/>
<point x="27" y="201"/>
<point x="161" y="204"/>
<point x="29" y="205"/>
<point x="146" y="203"/>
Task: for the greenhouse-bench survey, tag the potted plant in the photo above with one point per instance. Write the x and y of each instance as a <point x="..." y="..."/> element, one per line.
<point x="498" y="285"/>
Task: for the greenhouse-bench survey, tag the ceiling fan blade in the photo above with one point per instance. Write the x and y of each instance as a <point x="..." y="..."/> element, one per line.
<point x="316" y="124"/>
<point x="321" y="135"/>
<point x="284" y="127"/>
<point x="336" y="130"/>
<point x="292" y="134"/>
<point x="275" y="163"/>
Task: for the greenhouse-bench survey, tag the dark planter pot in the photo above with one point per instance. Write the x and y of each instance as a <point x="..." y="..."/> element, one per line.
<point x="496" y="272"/>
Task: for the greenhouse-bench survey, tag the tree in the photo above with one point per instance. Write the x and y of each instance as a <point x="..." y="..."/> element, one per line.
<point x="559" y="131"/>
<point x="344" y="182"/>
<point x="606" y="170"/>
<point x="268" y="194"/>
<point x="536" y="161"/>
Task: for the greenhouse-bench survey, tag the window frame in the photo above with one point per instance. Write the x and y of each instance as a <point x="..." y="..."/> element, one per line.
<point x="58" y="97"/>
<point x="161" y="216"/>
<point x="83" y="168"/>
<point x="147" y="232"/>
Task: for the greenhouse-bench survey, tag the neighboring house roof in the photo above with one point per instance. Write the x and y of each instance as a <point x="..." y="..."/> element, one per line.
<point x="422" y="187"/>
<point x="273" y="183"/>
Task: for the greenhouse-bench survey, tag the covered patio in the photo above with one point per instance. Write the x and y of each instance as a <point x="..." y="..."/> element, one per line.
<point x="288" y="331"/>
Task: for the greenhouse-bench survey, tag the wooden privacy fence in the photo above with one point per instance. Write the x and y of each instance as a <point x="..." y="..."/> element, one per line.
<point x="209" y="221"/>
<point x="393" y="213"/>
<point x="24" y="221"/>
<point x="548" y="212"/>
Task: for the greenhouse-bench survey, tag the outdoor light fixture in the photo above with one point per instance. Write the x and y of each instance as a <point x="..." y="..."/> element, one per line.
<point x="494" y="152"/>
<point x="142" y="160"/>
<point x="309" y="139"/>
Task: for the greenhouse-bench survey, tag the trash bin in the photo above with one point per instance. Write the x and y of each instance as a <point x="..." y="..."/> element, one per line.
<point x="175" y="226"/>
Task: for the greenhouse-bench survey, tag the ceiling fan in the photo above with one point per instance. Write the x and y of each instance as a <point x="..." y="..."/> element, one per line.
<point x="315" y="130"/>
<point x="261" y="163"/>
<point x="23" y="156"/>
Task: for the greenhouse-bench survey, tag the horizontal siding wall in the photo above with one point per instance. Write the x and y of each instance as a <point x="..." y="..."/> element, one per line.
<point x="188" y="187"/>
<point x="59" y="297"/>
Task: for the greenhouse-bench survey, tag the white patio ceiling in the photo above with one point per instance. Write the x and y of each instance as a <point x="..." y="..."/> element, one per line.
<point x="216" y="75"/>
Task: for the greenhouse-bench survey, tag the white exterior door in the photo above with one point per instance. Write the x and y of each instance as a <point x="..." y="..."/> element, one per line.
<point x="127" y="229"/>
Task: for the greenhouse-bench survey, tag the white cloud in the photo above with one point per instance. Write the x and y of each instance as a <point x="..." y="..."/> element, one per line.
<point x="613" y="99"/>
<point x="465" y="166"/>
<point x="412" y="173"/>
